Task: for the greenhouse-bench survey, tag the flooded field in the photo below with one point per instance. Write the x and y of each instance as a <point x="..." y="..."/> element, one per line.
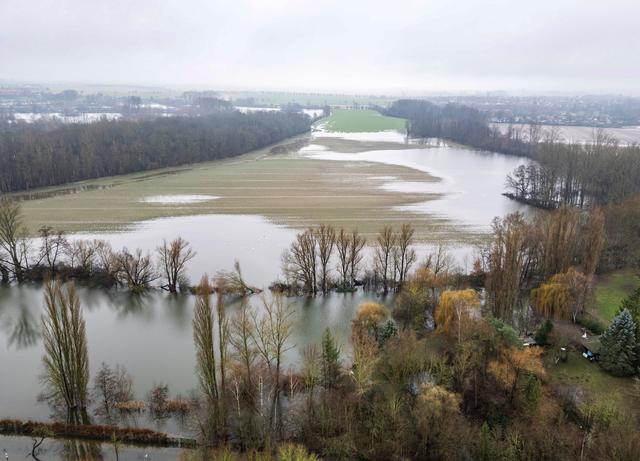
<point x="245" y="209"/>
<point x="583" y="134"/>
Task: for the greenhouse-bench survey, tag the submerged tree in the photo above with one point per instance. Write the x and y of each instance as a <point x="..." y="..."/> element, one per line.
<point x="174" y="257"/>
<point x="383" y="256"/>
<point x="135" y="269"/>
<point x="111" y="387"/>
<point x="403" y="254"/>
<point x="326" y="238"/>
<point x="66" y="358"/>
<point x="53" y="244"/>
<point x="300" y="261"/>
<point x="13" y="240"/>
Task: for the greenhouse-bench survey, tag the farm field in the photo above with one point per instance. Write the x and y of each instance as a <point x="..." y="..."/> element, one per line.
<point x="352" y="121"/>
<point x="285" y="188"/>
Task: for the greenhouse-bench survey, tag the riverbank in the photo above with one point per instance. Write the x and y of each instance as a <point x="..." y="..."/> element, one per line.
<point x="93" y="432"/>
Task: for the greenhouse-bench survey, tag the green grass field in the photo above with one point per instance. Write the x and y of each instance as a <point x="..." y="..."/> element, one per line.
<point x="611" y="289"/>
<point x="594" y="383"/>
<point x="353" y="121"/>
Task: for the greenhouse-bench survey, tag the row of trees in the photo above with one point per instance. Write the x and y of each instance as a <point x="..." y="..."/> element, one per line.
<point x="308" y="264"/>
<point x="464" y="125"/>
<point x="562" y="247"/>
<point x="579" y="175"/>
<point x="594" y="173"/>
<point x="31" y="157"/>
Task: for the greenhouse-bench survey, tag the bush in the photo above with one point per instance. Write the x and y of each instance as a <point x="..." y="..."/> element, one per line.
<point x="593" y="325"/>
<point x="542" y="335"/>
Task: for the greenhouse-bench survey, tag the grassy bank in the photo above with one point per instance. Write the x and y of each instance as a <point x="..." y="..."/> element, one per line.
<point x="353" y="121"/>
<point x="611" y="289"/>
<point x="93" y="432"/>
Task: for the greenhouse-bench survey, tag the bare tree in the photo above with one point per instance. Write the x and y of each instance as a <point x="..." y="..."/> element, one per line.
<point x="342" y="248"/>
<point x="13" y="239"/>
<point x="404" y="254"/>
<point x="52" y="245"/>
<point x="326" y="240"/>
<point x="135" y="269"/>
<point x="356" y="245"/>
<point x="110" y="388"/>
<point x="241" y="336"/>
<point x="81" y="254"/>
<point x="273" y="331"/>
<point x="385" y="242"/>
<point x="234" y="281"/>
<point x="173" y="259"/>
<point x="300" y="261"/>
<point x="106" y="260"/>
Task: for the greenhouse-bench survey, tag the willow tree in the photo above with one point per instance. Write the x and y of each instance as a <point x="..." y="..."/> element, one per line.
<point x="66" y="358"/>
<point x="565" y="296"/>
<point x="509" y="261"/>
<point x="558" y="233"/>
<point x="455" y="310"/>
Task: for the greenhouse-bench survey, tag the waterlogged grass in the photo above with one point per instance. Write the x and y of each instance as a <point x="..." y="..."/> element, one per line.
<point x="286" y="188"/>
<point x="611" y="289"/>
<point x="353" y="121"/>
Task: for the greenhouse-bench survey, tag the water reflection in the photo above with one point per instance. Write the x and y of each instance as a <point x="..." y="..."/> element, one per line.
<point x="23" y="329"/>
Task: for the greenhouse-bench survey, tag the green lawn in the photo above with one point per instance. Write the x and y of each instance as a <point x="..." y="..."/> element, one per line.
<point x="588" y="377"/>
<point x="611" y="289"/>
<point x="353" y="121"/>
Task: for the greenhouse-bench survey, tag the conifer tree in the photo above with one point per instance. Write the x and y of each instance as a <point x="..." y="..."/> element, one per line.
<point x="618" y="355"/>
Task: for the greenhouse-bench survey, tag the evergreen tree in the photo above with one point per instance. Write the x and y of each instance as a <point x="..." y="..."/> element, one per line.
<point x="330" y="360"/>
<point x="632" y="304"/>
<point x="618" y="352"/>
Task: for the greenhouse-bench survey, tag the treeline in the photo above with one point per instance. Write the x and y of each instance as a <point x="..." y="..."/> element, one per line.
<point x="316" y="255"/>
<point x="31" y="157"/>
<point x="460" y="124"/>
<point x="581" y="175"/>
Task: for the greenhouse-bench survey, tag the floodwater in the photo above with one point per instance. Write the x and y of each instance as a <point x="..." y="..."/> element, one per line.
<point x="151" y="334"/>
<point x="470" y="182"/>
<point x="56" y="450"/>
<point x="626" y="135"/>
<point x="182" y="199"/>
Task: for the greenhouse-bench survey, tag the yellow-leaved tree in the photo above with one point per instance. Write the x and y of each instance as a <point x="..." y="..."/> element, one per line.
<point x="564" y="296"/>
<point x="513" y="364"/>
<point x="455" y="310"/>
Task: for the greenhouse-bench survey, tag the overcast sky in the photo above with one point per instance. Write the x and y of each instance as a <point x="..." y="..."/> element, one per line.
<point x="327" y="45"/>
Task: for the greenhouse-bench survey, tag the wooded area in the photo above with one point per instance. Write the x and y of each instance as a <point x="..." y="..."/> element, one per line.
<point x="594" y="173"/>
<point x="32" y="157"/>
